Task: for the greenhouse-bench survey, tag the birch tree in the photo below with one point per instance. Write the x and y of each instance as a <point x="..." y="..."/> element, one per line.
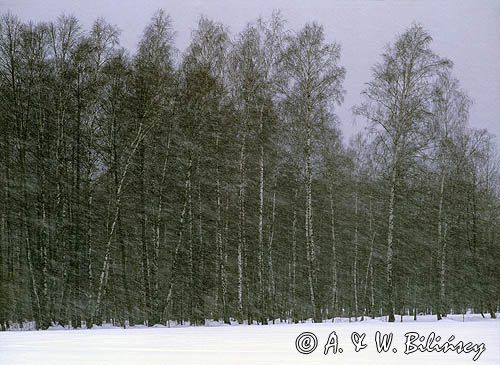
<point x="397" y="106"/>
<point x="254" y="72"/>
<point x="150" y="98"/>
<point x="450" y="113"/>
<point x="313" y="85"/>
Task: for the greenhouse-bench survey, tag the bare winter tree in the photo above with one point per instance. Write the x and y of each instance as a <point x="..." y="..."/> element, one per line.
<point x="397" y="104"/>
<point x="450" y="114"/>
<point x="313" y="85"/>
<point x="255" y="73"/>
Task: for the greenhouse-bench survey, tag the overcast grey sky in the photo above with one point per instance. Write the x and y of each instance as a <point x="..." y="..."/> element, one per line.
<point x="466" y="31"/>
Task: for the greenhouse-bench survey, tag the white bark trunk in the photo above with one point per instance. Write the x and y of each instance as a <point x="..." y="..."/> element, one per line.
<point x="355" y="264"/>
<point x="294" y="258"/>
<point x="241" y="239"/>
<point x="334" y="255"/>
<point x="272" y="284"/>
<point x="261" y="225"/>
<point x="218" y="240"/>
<point x="442" y="248"/>
<point x="390" y="232"/>
<point x="311" y="251"/>
<point x="190" y="237"/>
<point x="369" y="266"/>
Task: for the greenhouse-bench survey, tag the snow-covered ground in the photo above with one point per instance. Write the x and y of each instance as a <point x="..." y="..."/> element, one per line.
<point x="273" y="344"/>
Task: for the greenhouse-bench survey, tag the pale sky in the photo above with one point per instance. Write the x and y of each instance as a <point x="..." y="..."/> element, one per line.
<point x="465" y="31"/>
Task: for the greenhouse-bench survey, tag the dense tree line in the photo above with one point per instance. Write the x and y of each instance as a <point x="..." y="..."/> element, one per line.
<point x="215" y="184"/>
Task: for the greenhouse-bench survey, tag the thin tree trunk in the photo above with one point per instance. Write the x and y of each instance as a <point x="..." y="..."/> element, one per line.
<point x="369" y="268"/>
<point x="7" y="205"/>
<point x="144" y="244"/>
<point x="241" y="236"/>
<point x="262" y="309"/>
<point x="77" y="212"/>
<point x="200" y="267"/>
<point x="90" y="284"/>
<point x="311" y="250"/>
<point x="294" y="260"/>
<point x="272" y="284"/>
<point x="225" y="314"/>
<point x="191" y="293"/>
<point x="334" y="256"/>
<point x="355" y="264"/>
<point x="390" y="232"/>
<point x="442" y="247"/>
<point x="218" y="238"/>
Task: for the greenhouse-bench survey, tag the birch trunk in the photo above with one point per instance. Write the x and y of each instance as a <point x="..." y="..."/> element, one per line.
<point x="262" y="306"/>
<point x="390" y="232"/>
<point x="191" y="293"/>
<point x="311" y="254"/>
<point x="442" y="247"/>
<point x="294" y="260"/>
<point x="90" y="284"/>
<point x="355" y="264"/>
<point x="144" y="244"/>
<point x="334" y="256"/>
<point x="225" y="314"/>
<point x="369" y="268"/>
<point x="241" y="234"/>
<point x="272" y="284"/>
<point x="201" y="250"/>
<point x="218" y="239"/>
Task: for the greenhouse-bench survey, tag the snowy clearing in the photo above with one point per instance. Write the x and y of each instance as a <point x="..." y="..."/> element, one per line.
<point x="248" y="344"/>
